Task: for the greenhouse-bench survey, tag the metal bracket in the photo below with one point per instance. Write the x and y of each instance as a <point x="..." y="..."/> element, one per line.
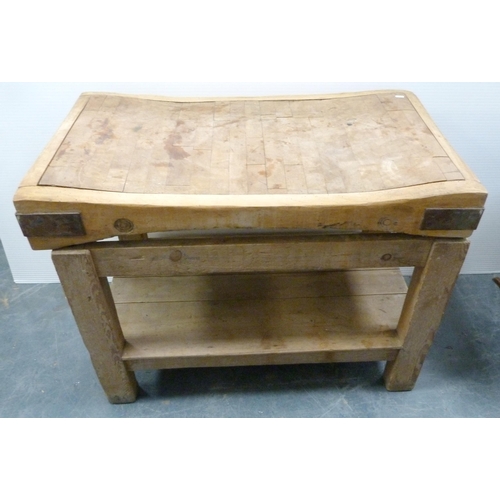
<point x="53" y="225"/>
<point x="451" y="219"/>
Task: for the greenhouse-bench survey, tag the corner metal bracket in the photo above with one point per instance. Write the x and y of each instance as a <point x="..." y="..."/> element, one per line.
<point x="52" y="225"/>
<point x="451" y="219"/>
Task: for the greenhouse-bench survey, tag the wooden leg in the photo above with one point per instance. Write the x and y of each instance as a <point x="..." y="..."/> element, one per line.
<point x="427" y="297"/>
<point x="93" y="308"/>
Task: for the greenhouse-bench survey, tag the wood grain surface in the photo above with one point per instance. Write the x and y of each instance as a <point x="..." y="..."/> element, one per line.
<point x="354" y="144"/>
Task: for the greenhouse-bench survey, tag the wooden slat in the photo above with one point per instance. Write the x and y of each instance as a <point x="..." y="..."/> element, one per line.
<point x="258" y="286"/>
<point x="256" y="254"/>
<point x="142" y="357"/>
<point x="235" y="320"/>
<point x="401" y="212"/>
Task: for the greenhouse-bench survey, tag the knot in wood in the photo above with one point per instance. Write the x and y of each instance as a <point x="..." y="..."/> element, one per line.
<point x="175" y="255"/>
<point x="124" y="225"/>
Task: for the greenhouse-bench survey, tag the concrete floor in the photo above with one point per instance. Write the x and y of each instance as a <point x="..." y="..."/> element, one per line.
<point x="46" y="371"/>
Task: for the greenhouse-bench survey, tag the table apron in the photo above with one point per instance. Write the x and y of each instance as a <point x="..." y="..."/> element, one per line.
<point x="196" y="257"/>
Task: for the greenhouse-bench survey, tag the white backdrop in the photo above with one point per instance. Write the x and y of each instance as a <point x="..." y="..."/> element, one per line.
<point x="468" y="114"/>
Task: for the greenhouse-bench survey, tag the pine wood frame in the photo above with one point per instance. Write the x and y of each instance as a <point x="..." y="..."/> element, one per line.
<point x="84" y="270"/>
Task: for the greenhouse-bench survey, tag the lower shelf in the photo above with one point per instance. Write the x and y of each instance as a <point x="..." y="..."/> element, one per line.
<point x="253" y="319"/>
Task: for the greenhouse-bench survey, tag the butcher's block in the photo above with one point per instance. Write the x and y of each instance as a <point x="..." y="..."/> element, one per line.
<point x="249" y="231"/>
<point x="371" y="162"/>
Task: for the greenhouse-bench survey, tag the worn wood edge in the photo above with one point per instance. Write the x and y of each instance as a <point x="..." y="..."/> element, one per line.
<point x="157" y="213"/>
<point x="291" y="97"/>
<point x="450" y="151"/>
<point x="41" y="164"/>
<point x="52" y="194"/>
<point x="134" y="361"/>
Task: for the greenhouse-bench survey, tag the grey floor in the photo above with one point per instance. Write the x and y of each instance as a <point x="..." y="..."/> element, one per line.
<point x="46" y="372"/>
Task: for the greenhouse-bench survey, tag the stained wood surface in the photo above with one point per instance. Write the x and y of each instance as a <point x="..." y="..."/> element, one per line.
<point x="258" y="319"/>
<point x="315" y="146"/>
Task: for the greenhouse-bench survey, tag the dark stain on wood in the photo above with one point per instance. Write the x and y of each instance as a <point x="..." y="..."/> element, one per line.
<point x="175" y="152"/>
<point x="62" y="150"/>
<point x="104" y="132"/>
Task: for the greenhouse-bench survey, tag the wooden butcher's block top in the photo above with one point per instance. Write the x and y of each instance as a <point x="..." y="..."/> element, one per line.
<point x="363" y="162"/>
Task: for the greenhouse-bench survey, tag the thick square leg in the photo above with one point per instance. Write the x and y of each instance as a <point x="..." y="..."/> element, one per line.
<point x="93" y="308"/>
<point x="426" y="301"/>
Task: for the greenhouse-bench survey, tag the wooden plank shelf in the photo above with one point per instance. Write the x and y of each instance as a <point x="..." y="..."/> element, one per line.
<point x="260" y="318"/>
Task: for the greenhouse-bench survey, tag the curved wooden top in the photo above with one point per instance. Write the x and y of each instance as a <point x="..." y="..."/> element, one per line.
<point x="321" y="146"/>
<point x="271" y="163"/>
